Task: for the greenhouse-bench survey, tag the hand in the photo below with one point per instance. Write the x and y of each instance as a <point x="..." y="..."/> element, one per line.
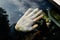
<point x="27" y="20"/>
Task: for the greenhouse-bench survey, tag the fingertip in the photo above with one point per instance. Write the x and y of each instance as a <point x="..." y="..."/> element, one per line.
<point x="28" y="11"/>
<point x="39" y="17"/>
<point x="34" y="26"/>
<point x="36" y="9"/>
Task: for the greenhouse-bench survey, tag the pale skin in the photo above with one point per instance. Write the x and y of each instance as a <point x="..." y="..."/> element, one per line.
<point x="27" y="20"/>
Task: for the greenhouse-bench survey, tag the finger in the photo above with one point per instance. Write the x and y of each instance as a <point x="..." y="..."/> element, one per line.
<point x="34" y="26"/>
<point x="28" y="11"/>
<point x="39" y="17"/>
<point x="39" y="12"/>
<point x="17" y="27"/>
<point x="33" y="12"/>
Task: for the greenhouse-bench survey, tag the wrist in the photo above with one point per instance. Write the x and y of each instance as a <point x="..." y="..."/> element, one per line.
<point x="23" y="29"/>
